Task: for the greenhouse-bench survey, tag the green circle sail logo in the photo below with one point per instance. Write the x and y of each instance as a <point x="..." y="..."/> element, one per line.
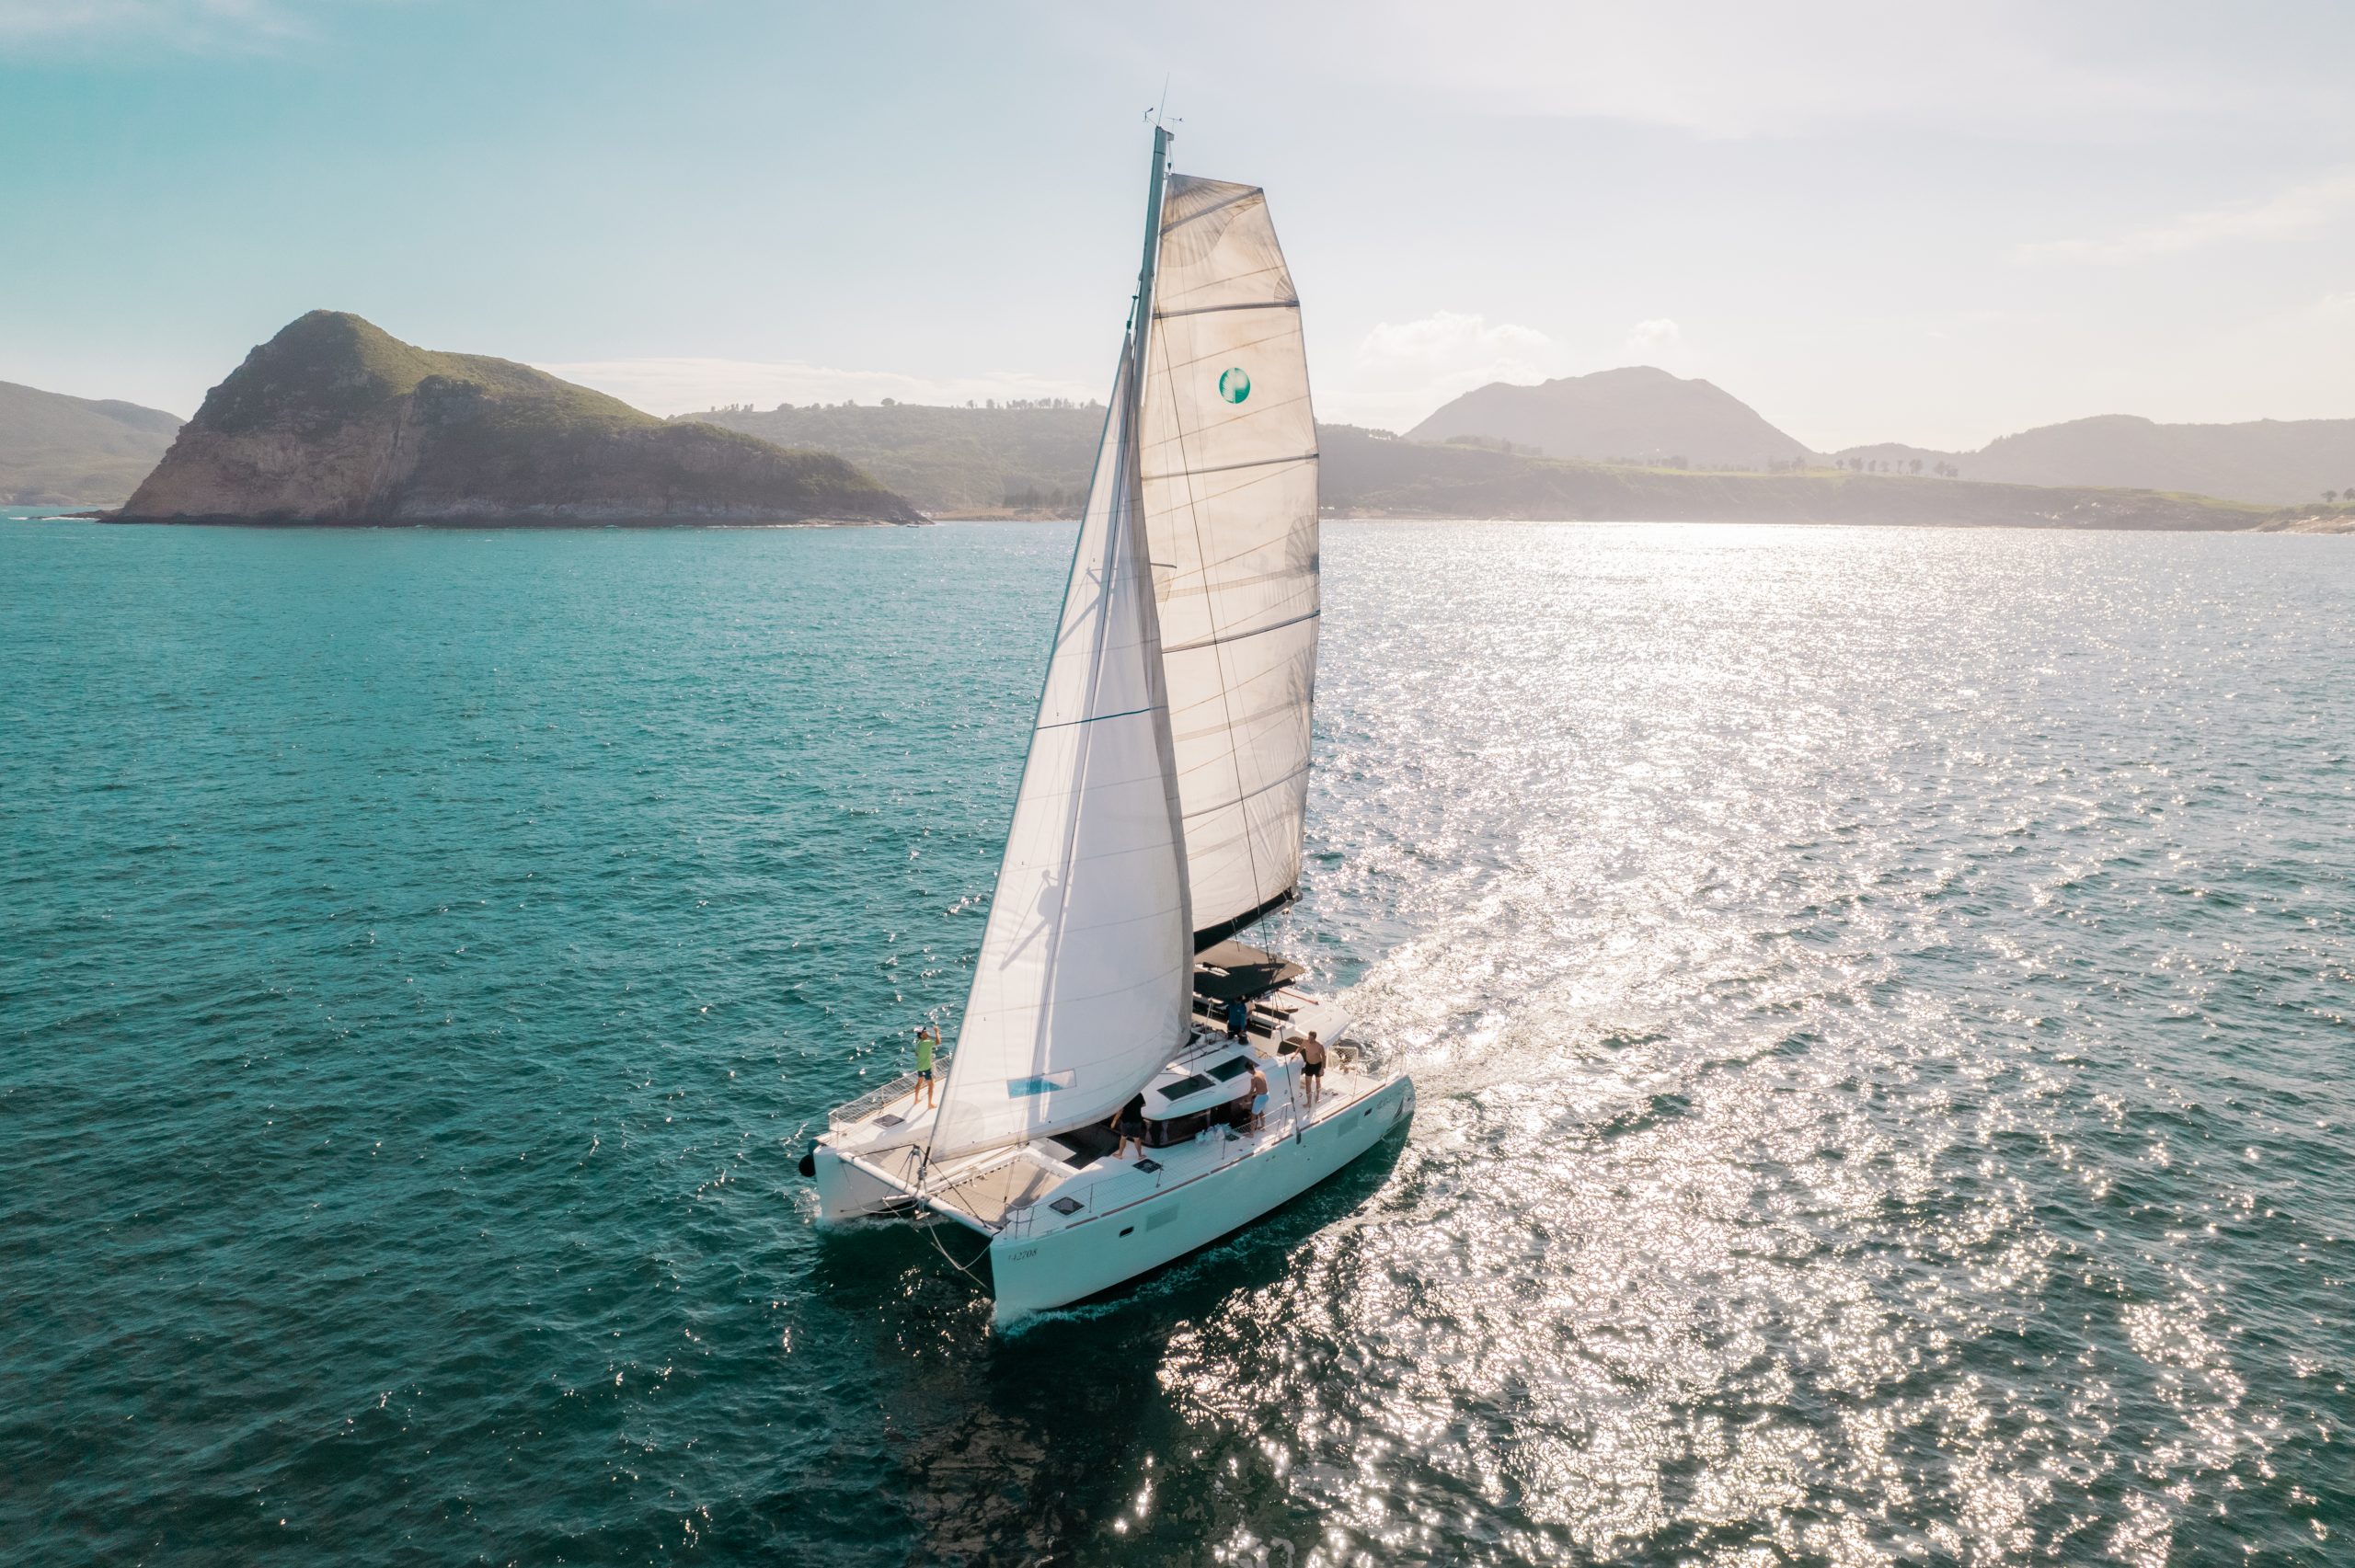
<point x="1234" y="384"/>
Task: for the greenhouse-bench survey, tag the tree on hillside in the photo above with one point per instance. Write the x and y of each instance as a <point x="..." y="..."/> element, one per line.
<point x="1915" y="466"/>
<point x="2330" y="498"/>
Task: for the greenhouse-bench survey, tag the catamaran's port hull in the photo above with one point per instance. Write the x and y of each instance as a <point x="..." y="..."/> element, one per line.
<point x="846" y="1192"/>
<point x="1031" y="1273"/>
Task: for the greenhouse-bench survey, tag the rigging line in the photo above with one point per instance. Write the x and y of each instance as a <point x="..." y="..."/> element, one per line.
<point x="932" y="1233"/>
<point x="1095" y="718"/>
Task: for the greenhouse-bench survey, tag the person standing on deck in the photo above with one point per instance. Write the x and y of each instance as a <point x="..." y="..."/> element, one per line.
<point x="1127" y="1125"/>
<point x="1238" y="1017"/>
<point x="1312" y="1066"/>
<point x="1258" y="1097"/>
<point x="928" y="1040"/>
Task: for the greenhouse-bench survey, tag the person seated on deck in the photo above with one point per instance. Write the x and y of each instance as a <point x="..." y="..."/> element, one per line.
<point x="1238" y="1110"/>
<point x="1238" y="1017"/>
<point x="1312" y="1066"/>
<point x="1129" y="1123"/>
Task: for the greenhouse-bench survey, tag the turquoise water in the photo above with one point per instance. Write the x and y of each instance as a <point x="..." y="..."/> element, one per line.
<point x="1881" y="1001"/>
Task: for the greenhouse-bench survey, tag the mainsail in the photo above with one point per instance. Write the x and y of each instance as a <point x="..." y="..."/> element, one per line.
<point x="1229" y="454"/>
<point x="1081" y="990"/>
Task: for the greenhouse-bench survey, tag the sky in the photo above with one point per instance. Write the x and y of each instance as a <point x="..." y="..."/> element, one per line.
<point x="1935" y="223"/>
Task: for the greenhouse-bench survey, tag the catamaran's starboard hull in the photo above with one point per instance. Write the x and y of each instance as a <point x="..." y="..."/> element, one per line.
<point x="1032" y="1273"/>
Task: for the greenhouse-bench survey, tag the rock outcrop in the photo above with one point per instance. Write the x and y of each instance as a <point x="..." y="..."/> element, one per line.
<point x="336" y="421"/>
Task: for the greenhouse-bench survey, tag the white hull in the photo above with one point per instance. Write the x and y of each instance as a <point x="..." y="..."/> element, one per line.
<point x="1064" y="1226"/>
<point x="1031" y="1272"/>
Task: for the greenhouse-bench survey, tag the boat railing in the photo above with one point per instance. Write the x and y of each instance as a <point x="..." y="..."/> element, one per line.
<point x="1281" y="1122"/>
<point x="874" y="1100"/>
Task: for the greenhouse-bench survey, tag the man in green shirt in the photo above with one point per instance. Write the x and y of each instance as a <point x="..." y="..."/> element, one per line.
<point x="928" y="1040"/>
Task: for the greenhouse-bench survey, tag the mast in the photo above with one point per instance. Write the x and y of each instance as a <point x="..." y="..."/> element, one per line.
<point x="1141" y="349"/>
<point x="1081" y="987"/>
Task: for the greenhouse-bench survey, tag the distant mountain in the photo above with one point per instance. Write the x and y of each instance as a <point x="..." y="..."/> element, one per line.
<point x="951" y="462"/>
<point x="1637" y="415"/>
<point x="61" y="451"/>
<point x="1035" y="461"/>
<point x="1371" y="473"/>
<point x="336" y="421"/>
<point x="2282" y="462"/>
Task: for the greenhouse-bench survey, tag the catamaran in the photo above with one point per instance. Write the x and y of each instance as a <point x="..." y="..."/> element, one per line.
<point x="1160" y="816"/>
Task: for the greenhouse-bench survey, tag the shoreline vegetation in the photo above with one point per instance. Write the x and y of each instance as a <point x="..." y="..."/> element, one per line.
<point x="336" y="423"/>
<point x="1032" y="463"/>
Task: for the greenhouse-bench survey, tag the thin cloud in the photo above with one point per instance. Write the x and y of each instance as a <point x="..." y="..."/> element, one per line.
<point x="192" y="25"/>
<point x="1732" y="69"/>
<point x="687" y="386"/>
<point x="1655" y="336"/>
<point x="2297" y="211"/>
<point x="1403" y="370"/>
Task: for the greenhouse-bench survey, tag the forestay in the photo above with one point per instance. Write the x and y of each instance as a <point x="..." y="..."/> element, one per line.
<point x="1080" y="992"/>
<point x="1228" y="446"/>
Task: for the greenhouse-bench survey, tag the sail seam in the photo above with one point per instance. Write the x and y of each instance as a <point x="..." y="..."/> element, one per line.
<point x="1230" y="803"/>
<point x="1223" y="350"/>
<point x="1277" y="270"/>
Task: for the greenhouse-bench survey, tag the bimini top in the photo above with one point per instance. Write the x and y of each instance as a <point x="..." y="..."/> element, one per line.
<point x="1230" y="969"/>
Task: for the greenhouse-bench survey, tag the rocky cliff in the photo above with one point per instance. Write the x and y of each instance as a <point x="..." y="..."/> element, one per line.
<point x="336" y="421"/>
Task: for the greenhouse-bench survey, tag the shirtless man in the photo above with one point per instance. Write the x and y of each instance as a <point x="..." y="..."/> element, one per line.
<point x="1312" y="1066"/>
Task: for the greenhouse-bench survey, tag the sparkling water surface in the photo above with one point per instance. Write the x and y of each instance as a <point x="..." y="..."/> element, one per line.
<point x="1883" y="1003"/>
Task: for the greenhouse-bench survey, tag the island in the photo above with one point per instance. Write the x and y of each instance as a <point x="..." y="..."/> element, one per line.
<point x="336" y="421"/>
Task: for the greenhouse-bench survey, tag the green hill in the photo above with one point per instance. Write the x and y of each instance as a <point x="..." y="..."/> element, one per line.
<point x="2281" y="460"/>
<point x="1371" y="474"/>
<point x="61" y="451"/>
<point x="1026" y="461"/>
<point x="1035" y="461"/>
<point x="336" y="421"/>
